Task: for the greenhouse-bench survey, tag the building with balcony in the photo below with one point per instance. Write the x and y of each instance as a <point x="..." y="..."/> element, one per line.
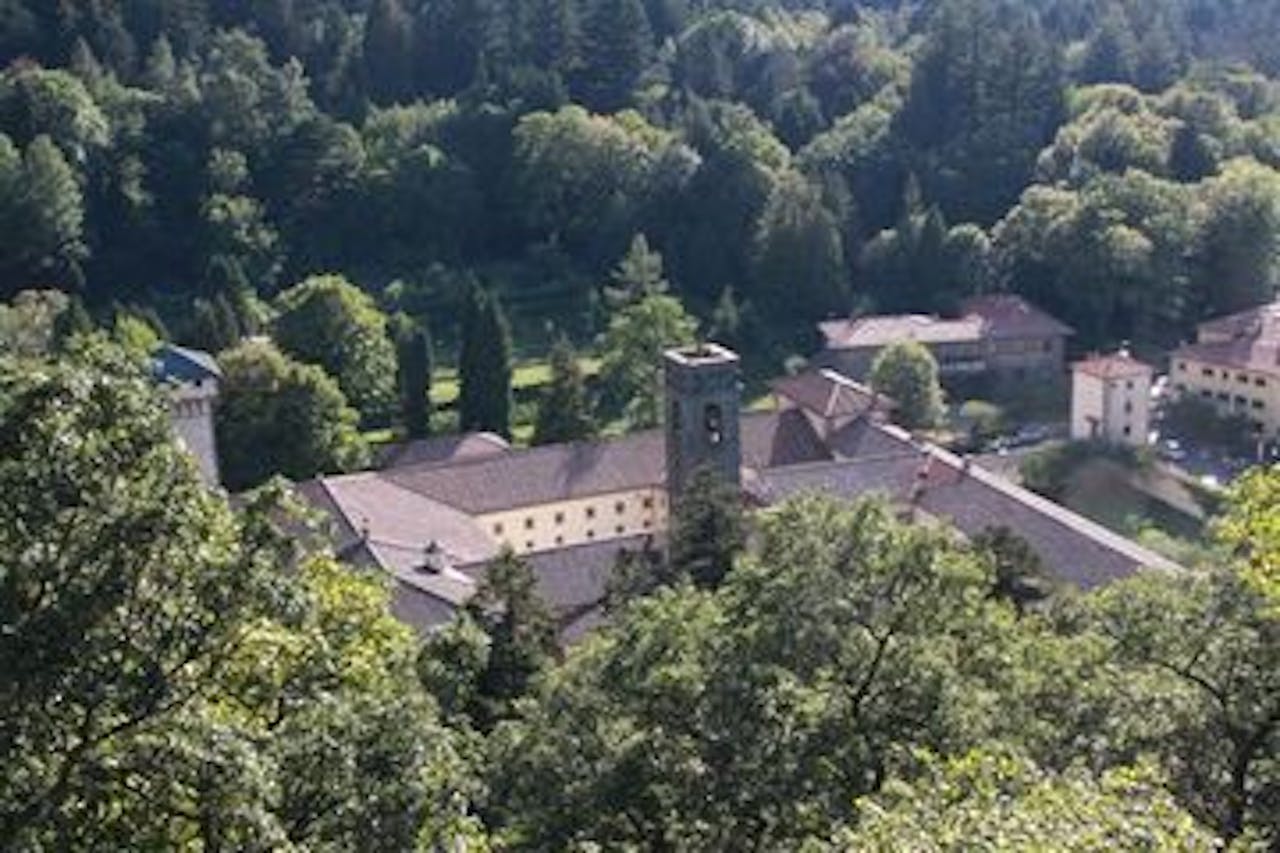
<point x="999" y="335"/>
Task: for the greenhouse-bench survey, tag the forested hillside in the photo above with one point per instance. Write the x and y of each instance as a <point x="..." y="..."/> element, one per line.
<point x="1115" y="160"/>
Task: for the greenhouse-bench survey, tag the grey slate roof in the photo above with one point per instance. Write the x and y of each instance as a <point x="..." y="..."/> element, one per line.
<point x="441" y="450"/>
<point x="830" y="395"/>
<point x="557" y="472"/>
<point x="179" y="364"/>
<point x="972" y="499"/>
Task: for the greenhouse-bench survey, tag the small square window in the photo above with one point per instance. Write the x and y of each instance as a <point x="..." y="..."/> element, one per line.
<point x="528" y="546"/>
<point x="1260" y="382"/>
<point x="591" y="512"/>
<point x="1127" y="430"/>
<point x="559" y="518"/>
<point x="559" y="540"/>
<point x="646" y="524"/>
<point x="497" y="529"/>
<point x="648" y="503"/>
<point x="591" y="534"/>
<point x="1128" y="407"/>
<point x="620" y="507"/>
<point x="1182" y="365"/>
<point x="1258" y="404"/>
<point x="1240" y="377"/>
<point x="620" y="530"/>
<point x="1206" y="371"/>
<point x="528" y="524"/>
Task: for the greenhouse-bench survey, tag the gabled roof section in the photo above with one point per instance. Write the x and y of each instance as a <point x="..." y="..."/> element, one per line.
<point x="889" y="463"/>
<point x="179" y="364"/>
<point x="1118" y="365"/>
<point x="1262" y="321"/>
<point x="773" y="439"/>
<point x="557" y="472"/>
<point x="441" y="450"/>
<point x="1256" y="354"/>
<point x="830" y="395"/>
<point x="539" y="475"/>
<point x="1006" y="315"/>
<point x="988" y="317"/>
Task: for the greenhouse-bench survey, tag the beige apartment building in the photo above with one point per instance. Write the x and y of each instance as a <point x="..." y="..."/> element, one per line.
<point x="1235" y="364"/>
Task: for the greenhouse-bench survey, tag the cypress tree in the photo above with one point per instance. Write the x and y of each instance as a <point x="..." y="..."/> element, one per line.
<point x="413" y="371"/>
<point x="564" y="413"/>
<point x="484" y="401"/>
<point x="707" y="531"/>
<point x="617" y="42"/>
<point x="388" y="50"/>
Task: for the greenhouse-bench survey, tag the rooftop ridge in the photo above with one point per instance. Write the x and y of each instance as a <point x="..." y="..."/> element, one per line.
<point x="1059" y="513"/>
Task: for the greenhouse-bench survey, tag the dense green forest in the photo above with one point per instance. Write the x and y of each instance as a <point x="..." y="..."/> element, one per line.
<point x="1115" y="160"/>
<point x="406" y="196"/>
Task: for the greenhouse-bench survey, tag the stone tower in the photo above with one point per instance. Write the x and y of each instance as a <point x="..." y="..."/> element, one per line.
<point x="702" y="425"/>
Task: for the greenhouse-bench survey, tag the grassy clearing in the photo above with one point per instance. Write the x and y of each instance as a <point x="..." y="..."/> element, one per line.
<point x="529" y="374"/>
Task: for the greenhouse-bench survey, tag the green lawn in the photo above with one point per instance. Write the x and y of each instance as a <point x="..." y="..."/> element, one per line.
<point x="532" y="373"/>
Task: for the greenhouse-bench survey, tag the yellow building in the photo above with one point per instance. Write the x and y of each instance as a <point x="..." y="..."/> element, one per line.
<point x="1235" y="364"/>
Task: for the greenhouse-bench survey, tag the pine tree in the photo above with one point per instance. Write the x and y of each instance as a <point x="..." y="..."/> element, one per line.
<point x="484" y="401"/>
<point x="522" y="634"/>
<point x="554" y="37"/>
<point x="617" y="43"/>
<point x="214" y="325"/>
<point x="388" y="51"/>
<point x="707" y="531"/>
<point x="413" y="370"/>
<point x="49" y="237"/>
<point x="638" y="274"/>
<point x="564" y="413"/>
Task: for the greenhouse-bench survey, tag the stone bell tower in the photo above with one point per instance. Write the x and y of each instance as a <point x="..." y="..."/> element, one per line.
<point x="702" y="402"/>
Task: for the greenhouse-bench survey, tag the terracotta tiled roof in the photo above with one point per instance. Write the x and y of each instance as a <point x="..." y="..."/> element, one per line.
<point x="1115" y="366"/>
<point x="1009" y="316"/>
<point x="830" y="395"/>
<point x="1260" y="322"/>
<point x="441" y="450"/>
<point x="771" y="439"/>
<point x="1243" y="354"/>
